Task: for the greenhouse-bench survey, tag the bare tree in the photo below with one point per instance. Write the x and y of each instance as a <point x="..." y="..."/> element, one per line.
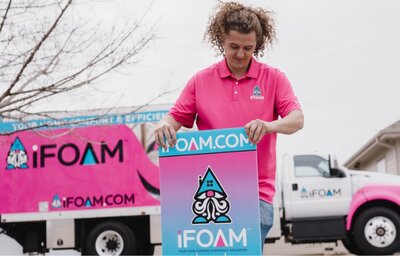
<point x="46" y="50"/>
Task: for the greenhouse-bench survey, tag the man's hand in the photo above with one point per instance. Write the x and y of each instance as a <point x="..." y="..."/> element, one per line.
<point x="165" y="132"/>
<point x="256" y="129"/>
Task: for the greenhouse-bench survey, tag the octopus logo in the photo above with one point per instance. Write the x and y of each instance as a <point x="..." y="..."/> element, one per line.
<point x="210" y="201"/>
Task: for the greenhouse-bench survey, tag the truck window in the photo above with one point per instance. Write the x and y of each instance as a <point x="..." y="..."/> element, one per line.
<point x="311" y="166"/>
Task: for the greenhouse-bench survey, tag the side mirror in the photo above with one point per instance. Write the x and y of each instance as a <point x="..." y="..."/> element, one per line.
<point x="334" y="169"/>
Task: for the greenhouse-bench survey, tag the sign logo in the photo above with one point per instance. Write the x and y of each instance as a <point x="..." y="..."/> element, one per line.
<point x="17" y="157"/>
<point x="256" y="93"/>
<point x="210" y="201"/>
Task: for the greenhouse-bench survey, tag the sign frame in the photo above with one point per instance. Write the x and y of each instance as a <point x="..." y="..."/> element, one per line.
<point x="209" y="194"/>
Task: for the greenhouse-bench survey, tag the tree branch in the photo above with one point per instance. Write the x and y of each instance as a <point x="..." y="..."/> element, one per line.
<point x="5" y="16"/>
<point x="59" y="60"/>
<point x="41" y="72"/>
<point x="32" y="55"/>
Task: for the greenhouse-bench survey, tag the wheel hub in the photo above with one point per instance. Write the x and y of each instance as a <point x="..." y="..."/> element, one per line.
<point x="112" y="245"/>
<point x="380" y="231"/>
<point x="109" y="242"/>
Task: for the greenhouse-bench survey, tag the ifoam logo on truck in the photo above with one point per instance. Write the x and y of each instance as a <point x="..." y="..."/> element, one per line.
<point x="67" y="154"/>
<point x="209" y="141"/>
<point x="320" y="193"/>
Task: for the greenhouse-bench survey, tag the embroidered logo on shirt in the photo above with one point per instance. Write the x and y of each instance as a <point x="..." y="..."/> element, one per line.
<point x="256" y="93"/>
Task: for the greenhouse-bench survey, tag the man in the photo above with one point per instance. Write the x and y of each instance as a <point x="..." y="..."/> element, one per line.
<point x="240" y="92"/>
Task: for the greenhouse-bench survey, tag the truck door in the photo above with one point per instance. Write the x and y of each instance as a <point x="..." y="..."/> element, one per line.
<point x="310" y="190"/>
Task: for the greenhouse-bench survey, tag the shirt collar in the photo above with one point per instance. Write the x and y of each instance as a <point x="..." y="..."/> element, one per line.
<point x="252" y="72"/>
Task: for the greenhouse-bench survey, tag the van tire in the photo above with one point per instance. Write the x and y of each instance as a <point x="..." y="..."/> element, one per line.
<point x="377" y="231"/>
<point x="111" y="237"/>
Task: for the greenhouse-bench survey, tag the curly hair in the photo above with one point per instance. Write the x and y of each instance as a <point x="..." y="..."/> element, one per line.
<point x="235" y="16"/>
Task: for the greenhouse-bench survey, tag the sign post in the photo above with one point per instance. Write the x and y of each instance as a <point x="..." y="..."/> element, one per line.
<point x="209" y="194"/>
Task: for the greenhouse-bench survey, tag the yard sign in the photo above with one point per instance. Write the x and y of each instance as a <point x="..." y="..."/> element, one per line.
<point x="209" y="194"/>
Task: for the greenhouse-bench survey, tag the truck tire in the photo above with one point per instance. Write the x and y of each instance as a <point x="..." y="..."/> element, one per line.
<point x="351" y="246"/>
<point x="111" y="238"/>
<point x="377" y="231"/>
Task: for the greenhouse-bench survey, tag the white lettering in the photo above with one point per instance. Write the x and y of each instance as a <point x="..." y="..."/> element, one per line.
<point x="217" y="141"/>
<point x="179" y="240"/>
<point x="210" y="238"/>
<point x="238" y="238"/>
<point x="187" y="238"/>
<point x="181" y="144"/>
<point x="235" y="139"/>
<point x="256" y="97"/>
<point x="205" y="143"/>
<point x="243" y="140"/>
<point x="205" y="238"/>
<point x="193" y="144"/>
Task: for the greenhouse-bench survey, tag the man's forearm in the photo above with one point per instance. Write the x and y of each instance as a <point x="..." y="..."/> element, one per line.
<point x="291" y="123"/>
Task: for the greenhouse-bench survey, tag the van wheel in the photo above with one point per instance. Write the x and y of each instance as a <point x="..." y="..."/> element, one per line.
<point x="111" y="238"/>
<point x="377" y="231"/>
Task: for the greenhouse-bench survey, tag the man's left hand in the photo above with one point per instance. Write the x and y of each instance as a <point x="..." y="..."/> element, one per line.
<point x="256" y="129"/>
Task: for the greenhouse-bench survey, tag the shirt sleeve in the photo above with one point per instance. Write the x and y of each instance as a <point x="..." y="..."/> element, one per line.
<point x="184" y="110"/>
<point x="285" y="99"/>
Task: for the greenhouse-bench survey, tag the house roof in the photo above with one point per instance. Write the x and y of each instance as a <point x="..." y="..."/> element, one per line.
<point x="375" y="144"/>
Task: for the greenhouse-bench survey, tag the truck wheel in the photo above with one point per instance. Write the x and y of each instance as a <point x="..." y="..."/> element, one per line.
<point x="377" y="231"/>
<point x="350" y="245"/>
<point x="111" y="238"/>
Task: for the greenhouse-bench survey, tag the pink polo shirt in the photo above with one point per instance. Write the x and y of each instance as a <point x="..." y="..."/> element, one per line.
<point x="216" y="99"/>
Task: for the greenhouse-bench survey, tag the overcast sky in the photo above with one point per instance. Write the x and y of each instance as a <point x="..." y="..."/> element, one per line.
<point x="341" y="56"/>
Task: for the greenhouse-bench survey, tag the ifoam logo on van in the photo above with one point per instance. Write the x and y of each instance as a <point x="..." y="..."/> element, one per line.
<point x="210" y="141"/>
<point x="17" y="157"/>
<point x="92" y="201"/>
<point x="67" y="154"/>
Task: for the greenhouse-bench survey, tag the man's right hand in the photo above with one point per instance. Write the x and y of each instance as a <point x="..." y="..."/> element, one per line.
<point x="165" y="132"/>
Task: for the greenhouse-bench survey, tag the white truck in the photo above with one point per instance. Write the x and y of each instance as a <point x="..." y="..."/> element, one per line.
<point x="94" y="187"/>
<point x="319" y="201"/>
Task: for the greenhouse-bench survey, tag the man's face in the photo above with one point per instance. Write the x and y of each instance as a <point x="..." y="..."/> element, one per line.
<point x="239" y="49"/>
